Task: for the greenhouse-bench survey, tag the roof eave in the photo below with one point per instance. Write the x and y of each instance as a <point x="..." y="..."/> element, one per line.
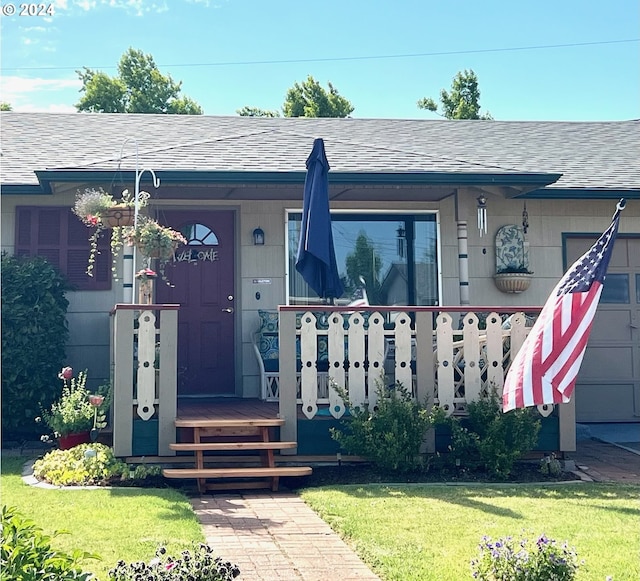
<point x="26" y="189"/>
<point x="582" y="194"/>
<point x="530" y="180"/>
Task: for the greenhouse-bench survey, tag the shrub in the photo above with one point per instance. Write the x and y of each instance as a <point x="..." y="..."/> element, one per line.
<point x="196" y="565"/>
<point x="27" y="554"/>
<point x="391" y="435"/>
<point x="524" y="560"/>
<point x="491" y="439"/>
<point x="86" y="464"/>
<point x="34" y="335"/>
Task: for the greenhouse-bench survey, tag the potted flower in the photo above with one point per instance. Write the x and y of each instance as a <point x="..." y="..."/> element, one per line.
<point x="146" y="276"/>
<point x="100" y="211"/>
<point x="77" y="416"/>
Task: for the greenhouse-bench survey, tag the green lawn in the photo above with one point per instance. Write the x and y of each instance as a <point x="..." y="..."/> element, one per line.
<point x="406" y="533"/>
<point x="432" y="532"/>
<point x="117" y="523"/>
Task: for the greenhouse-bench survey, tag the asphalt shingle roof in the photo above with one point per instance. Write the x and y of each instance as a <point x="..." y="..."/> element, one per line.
<point x="592" y="155"/>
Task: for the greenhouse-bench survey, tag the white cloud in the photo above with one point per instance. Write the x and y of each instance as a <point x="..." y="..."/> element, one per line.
<point x="137" y="7"/>
<point x="37" y="94"/>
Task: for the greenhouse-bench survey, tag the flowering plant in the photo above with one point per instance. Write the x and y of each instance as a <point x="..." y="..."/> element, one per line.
<point x="77" y="410"/>
<point x="197" y="565"/>
<point x="154" y="240"/>
<point x="146" y="274"/>
<point x="524" y="560"/>
<point x="92" y="207"/>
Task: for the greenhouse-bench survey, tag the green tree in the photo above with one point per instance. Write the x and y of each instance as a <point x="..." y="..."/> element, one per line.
<point x="256" y="112"/>
<point x="463" y="102"/>
<point x="139" y="87"/>
<point x="307" y="99"/>
<point x="5" y="106"/>
<point x="364" y="263"/>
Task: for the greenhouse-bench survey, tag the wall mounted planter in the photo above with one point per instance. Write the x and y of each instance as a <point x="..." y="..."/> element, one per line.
<point x="512" y="282"/>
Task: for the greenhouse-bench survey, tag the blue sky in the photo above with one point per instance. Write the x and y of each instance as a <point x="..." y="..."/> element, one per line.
<point x="231" y="53"/>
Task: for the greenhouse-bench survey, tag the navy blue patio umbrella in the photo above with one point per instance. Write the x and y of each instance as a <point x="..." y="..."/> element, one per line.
<point x="316" y="258"/>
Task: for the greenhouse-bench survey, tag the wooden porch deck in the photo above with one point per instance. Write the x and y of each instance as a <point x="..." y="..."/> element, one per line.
<point x="217" y="408"/>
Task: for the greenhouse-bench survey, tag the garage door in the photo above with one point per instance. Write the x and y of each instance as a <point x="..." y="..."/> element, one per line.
<point x="608" y="386"/>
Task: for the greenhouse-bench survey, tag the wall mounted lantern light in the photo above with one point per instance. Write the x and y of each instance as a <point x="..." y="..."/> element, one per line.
<point x="258" y="237"/>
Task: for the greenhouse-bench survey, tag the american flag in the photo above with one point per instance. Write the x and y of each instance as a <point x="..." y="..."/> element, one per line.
<point x="545" y="369"/>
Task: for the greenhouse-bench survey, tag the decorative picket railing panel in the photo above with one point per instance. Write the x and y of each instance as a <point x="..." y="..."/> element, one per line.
<point x="468" y="356"/>
<point x="144" y="373"/>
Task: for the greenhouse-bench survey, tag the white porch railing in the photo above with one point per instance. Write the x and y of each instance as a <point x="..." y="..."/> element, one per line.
<point x="442" y="353"/>
<point x="144" y="373"/>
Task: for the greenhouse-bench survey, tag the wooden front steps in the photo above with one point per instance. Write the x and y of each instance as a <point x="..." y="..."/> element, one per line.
<point x="224" y="435"/>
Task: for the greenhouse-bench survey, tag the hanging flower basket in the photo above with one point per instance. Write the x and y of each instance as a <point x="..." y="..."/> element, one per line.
<point x="119" y="215"/>
<point x="100" y="211"/>
<point x="154" y="240"/>
<point x="513" y="282"/>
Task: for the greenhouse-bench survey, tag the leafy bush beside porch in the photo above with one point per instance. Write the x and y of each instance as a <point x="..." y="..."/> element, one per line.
<point x="393" y="433"/>
<point x="34" y="338"/>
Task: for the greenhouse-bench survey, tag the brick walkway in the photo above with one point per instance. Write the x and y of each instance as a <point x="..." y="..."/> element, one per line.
<point x="605" y="462"/>
<point x="273" y="536"/>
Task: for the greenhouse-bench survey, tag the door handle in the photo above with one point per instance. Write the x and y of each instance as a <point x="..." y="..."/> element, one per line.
<point x="227" y="310"/>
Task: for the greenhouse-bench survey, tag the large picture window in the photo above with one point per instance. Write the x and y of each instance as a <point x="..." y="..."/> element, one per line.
<point x="392" y="259"/>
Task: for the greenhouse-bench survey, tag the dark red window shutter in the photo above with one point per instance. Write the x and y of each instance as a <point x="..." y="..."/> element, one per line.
<point x="59" y="236"/>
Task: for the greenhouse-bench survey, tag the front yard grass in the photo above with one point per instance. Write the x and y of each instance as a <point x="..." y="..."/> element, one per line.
<point x="427" y="532"/>
<point x="116" y="523"/>
<point x="404" y="532"/>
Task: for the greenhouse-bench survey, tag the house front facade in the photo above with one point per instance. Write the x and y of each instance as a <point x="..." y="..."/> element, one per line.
<point x="409" y="201"/>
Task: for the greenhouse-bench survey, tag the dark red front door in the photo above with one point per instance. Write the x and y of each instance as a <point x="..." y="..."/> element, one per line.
<point x="202" y="276"/>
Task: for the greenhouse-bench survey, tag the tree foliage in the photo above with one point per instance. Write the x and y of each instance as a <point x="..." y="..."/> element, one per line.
<point x="462" y="102"/>
<point x="4" y="106"/>
<point x="309" y="99"/>
<point x="256" y="112"/>
<point x="306" y="99"/>
<point x="139" y="87"/>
